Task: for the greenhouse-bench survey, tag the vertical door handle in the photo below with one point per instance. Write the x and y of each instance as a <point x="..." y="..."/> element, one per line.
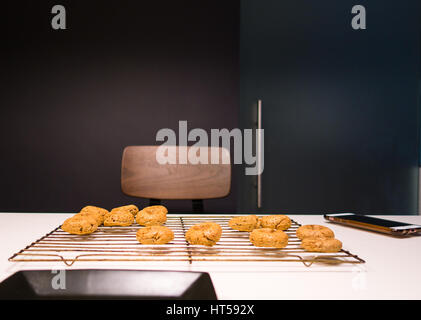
<point x="259" y="153"/>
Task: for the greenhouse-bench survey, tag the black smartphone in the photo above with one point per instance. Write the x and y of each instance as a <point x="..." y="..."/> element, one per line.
<point x="374" y="224"/>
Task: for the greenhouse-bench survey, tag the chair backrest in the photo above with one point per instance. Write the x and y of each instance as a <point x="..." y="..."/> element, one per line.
<point x="142" y="176"/>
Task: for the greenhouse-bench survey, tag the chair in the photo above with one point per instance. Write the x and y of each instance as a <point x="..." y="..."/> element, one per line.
<point x="144" y="177"/>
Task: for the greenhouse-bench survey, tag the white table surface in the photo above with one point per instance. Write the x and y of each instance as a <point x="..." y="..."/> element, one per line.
<point x="392" y="269"/>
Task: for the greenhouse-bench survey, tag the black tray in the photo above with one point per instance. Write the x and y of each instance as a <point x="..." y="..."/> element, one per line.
<point x="107" y="284"/>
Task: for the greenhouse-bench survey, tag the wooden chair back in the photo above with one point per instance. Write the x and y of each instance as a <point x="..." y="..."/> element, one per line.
<point x="143" y="176"/>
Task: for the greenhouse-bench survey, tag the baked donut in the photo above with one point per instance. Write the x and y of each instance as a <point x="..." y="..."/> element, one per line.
<point x="321" y="244"/>
<point x="314" y="231"/>
<point x="80" y="225"/>
<point x="99" y="219"/>
<point x="121" y="218"/>
<point x="154" y="235"/>
<point x="278" y="221"/>
<point x="90" y="209"/>
<point x="152" y="216"/>
<point x="268" y="237"/>
<point x="130" y="208"/>
<point x="96" y="212"/>
<point x="244" y="223"/>
<point x="205" y="233"/>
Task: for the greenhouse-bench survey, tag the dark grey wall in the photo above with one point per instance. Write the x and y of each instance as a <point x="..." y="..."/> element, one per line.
<point x="340" y="106"/>
<point x="72" y="100"/>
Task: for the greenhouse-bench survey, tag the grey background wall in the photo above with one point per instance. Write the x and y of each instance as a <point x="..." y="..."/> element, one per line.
<point x="72" y="100"/>
<point x="340" y="106"/>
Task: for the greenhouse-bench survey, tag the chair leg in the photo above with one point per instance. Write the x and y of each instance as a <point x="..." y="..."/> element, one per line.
<point x="197" y="206"/>
<point x="154" y="202"/>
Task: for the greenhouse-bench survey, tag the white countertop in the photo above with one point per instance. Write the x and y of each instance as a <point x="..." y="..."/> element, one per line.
<point x="392" y="269"/>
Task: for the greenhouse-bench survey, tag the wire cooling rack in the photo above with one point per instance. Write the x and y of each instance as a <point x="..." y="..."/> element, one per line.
<point x="120" y="244"/>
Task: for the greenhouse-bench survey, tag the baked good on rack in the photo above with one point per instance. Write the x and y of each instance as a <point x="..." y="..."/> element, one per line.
<point x="96" y="212"/>
<point x="314" y="231"/>
<point x="95" y="215"/>
<point x="154" y="235"/>
<point x="120" y="218"/>
<point x="268" y="237"/>
<point x="98" y="218"/>
<point x="244" y="223"/>
<point x="321" y="244"/>
<point x="129" y="208"/>
<point x="278" y="221"/>
<point x="90" y="209"/>
<point x="80" y="225"/>
<point x="205" y="233"/>
<point x="152" y="216"/>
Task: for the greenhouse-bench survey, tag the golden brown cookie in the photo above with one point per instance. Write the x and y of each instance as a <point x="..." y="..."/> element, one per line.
<point x="268" y="237"/>
<point x="96" y="215"/>
<point x="321" y="244"/>
<point x="154" y="235"/>
<point x="205" y="233"/>
<point x="129" y="208"/>
<point x="244" y="223"/>
<point x="152" y="216"/>
<point x="80" y="225"/>
<point x="314" y="231"/>
<point x="95" y="212"/>
<point x="98" y="218"/>
<point x="278" y="221"/>
<point x="119" y="218"/>
<point x="89" y="209"/>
